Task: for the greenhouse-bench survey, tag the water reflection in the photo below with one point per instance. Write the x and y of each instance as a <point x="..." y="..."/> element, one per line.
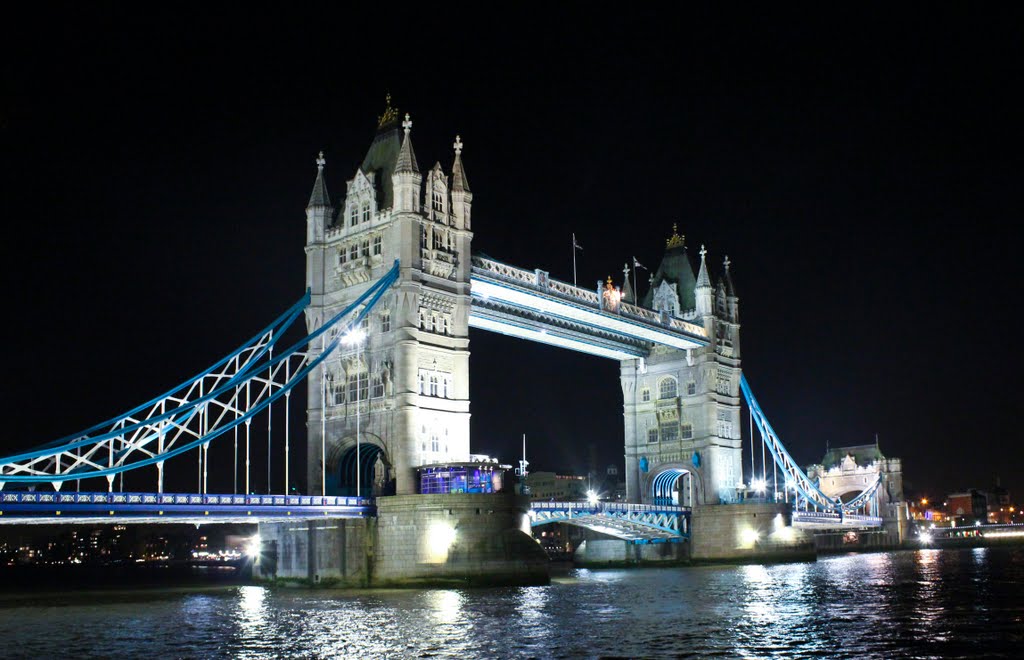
<point x="923" y="603"/>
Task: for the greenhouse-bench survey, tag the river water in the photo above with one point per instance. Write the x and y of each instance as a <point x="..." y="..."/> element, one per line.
<point x="923" y="603"/>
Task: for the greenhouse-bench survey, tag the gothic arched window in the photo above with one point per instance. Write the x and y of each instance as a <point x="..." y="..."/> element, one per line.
<point x="668" y="389"/>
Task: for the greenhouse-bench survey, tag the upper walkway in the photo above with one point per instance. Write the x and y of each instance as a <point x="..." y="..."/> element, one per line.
<point x="531" y="305"/>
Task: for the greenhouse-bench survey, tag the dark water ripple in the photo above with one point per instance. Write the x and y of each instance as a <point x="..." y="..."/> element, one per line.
<point x="911" y="604"/>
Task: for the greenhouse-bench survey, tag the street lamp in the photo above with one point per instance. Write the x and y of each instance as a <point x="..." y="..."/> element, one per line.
<point x="355" y="337"/>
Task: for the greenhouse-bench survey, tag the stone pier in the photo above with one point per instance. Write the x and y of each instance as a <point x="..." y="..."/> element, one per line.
<point x="748" y="532"/>
<point x="415" y="540"/>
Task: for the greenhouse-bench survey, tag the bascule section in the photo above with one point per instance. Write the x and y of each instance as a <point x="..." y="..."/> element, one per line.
<point x="396" y="396"/>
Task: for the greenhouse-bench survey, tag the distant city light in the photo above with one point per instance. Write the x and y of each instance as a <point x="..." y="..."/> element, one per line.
<point x="252" y="548"/>
<point x="925" y="537"/>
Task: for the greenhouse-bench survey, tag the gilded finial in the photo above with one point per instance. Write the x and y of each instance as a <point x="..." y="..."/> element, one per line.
<point x="458" y="145"/>
<point x="407" y="124"/>
<point x="320" y="162"/>
<point x="702" y="252"/>
<point x="609" y="284"/>
<point x="676" y="240"/>
<point x="390" y="115"/>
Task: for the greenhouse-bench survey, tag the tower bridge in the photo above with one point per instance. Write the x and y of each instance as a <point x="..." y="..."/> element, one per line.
<point x="392" y="290"/>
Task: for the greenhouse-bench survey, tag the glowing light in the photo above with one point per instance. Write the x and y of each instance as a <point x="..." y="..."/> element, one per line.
<point x="924" y="502"/>
<point x="252" y="548"/>
<point x="354" y="336"/>
<point x="591" y="497"/>
<point x="760" y="485"/>
<point x="440" y="538"/>
<point x="749" y="536"/>
<point x="999" y="534"/>
<point x="925" y="537"/>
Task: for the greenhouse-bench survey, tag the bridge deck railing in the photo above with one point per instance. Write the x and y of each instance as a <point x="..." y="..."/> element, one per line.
<point x="539" y="281"/>
<point x="182" y="498"/>
<point x="624" y="507"/>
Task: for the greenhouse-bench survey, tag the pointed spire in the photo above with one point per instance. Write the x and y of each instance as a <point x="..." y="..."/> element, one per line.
<point x="702" y="278"/>
<point x="729" y="288"/>
<point x="627" y="290"/>
<point x="406" y="156"/>
<point x="319" y="196"/>
<point x="459" y="181"/>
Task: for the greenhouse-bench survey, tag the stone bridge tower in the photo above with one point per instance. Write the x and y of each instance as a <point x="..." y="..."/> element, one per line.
<point x="406" y="385"/>
<point x="682" y="408"/>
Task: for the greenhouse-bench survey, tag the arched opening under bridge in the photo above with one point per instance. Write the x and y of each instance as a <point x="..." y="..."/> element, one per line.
<point x="674" y="487"/>
<point x="369" y="483"/>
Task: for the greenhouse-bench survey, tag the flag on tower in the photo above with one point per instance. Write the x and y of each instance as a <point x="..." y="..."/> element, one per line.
<point x="637" y="264"/>
<point x="575" y="245"/>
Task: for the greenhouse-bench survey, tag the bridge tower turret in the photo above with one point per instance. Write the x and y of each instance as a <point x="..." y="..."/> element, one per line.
<point x="682" y="408"/>
<point x="406" y="385"/>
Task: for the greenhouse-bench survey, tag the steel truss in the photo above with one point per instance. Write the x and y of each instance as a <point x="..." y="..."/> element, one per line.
<point x="808" y="492"/>
<point x="635" y="522"/>
<point x="223" y="397"/>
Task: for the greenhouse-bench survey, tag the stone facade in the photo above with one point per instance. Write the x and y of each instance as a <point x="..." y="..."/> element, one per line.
<point x="748" y="532"/>
<point x="682" y="408"/>
<point x="467" y="539"/>
<point x="406" y="387"/>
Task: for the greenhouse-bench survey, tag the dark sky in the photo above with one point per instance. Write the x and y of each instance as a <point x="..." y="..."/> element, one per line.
<point x="862" y="170"/>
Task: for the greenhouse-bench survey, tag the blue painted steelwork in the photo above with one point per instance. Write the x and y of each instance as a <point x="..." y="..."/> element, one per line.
<point x="154" y="426"/>
<point x="123" y="507"/>
<point x="794" y="475"/>
<point x="636" y="523"/>
<point x="661" y="487"/>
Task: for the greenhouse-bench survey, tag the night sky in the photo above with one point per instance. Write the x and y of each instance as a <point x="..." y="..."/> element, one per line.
<point x="862" y="171"/>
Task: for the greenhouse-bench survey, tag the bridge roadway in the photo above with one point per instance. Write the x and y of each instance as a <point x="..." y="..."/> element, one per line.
<point x="107" y="508"/>
<point x="637" y="523"/>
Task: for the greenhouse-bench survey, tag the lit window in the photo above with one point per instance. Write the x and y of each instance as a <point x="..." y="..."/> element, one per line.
<point x="667" y="389"/>
<point x="376" y="246"/>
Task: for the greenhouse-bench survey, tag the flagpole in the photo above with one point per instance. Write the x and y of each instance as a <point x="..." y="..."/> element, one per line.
<point x="574" y="259"/>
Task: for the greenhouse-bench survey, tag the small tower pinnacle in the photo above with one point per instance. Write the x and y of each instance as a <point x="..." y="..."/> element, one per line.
<point x="406" y="161"/>
<point x="702" y="278"/>
<point x="459" y="181"/>
<point x="319" y="196"/>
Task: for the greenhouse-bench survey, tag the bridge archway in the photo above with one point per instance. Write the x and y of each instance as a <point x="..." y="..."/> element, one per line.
<point x="342" y="465"/>
<point x="674" y="485"/>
